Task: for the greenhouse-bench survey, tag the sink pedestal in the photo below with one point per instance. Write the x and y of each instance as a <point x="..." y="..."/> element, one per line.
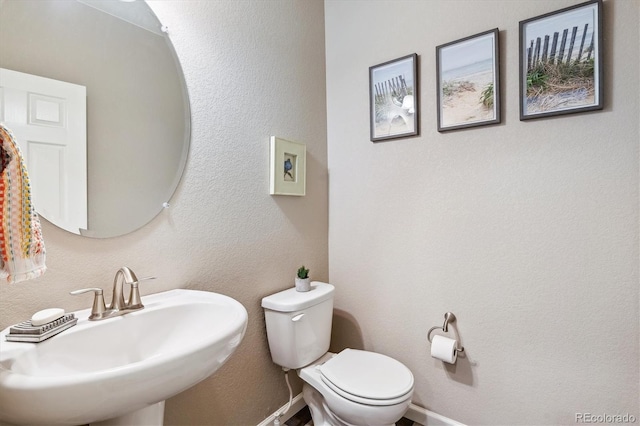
<point x="152" y="415"/>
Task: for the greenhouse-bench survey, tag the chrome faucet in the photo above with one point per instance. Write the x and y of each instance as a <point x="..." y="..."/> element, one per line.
<point x="119" y="306"/>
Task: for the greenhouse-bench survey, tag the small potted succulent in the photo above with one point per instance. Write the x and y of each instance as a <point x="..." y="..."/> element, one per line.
<point x="303" y="282"/>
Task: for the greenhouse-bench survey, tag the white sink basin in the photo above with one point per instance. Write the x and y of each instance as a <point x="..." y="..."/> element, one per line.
<point x="99" y="370"/>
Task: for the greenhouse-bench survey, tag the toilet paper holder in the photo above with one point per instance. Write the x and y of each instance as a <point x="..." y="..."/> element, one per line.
<point x="449" y="318"/>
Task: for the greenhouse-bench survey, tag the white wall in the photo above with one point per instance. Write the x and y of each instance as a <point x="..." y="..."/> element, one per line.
<point x="527" y="231"/>
<point x="254" y="69"/>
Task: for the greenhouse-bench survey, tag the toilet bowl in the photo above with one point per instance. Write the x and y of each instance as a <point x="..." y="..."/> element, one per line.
<point x="350" y="388"/>
<point x="356" y="387"/>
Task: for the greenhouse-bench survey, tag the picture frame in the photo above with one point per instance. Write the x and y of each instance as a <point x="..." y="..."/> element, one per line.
<point x="288" y="168"/>
<point x="561" y="62"/>
<point x="468" y="82"/>
<point x="393" y="99"/>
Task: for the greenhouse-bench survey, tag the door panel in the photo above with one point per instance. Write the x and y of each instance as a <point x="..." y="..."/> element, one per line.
<point x="48" y="118"/>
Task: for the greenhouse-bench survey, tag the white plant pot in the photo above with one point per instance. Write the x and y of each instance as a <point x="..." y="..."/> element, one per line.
<point x="303" y="284"/>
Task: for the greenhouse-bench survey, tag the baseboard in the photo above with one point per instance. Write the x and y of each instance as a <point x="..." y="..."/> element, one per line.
<point x="429" y="418"/>
<point x="414" y="413"/>
<point x="297" y="404"/>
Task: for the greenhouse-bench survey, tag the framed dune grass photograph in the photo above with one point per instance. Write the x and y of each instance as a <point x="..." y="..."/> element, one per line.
<point x="393" y="98"/>
<point x="561" y="68"/>
<point x="468" y="81"/>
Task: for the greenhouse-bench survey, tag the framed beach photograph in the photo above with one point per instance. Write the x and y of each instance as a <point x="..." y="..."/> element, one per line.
<point x="393" y="98"/>
<point x="288" y="167"/>
<point x="561" y="69"/>
<point x="468" y="78"/>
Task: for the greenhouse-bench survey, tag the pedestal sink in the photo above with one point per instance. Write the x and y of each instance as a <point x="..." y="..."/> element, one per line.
<point x="120" y="370"/>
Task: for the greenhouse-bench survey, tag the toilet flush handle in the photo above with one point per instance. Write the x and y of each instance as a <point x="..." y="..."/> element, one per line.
<point x="297" y="318"/>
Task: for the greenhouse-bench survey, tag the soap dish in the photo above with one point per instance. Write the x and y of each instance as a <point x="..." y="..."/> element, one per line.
<point x="27" y="332"/>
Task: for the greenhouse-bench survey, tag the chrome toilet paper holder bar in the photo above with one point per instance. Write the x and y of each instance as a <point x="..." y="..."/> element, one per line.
<point x="449" y="319"/>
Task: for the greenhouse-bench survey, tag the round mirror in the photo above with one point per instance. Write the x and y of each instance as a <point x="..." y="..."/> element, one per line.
<point x="136" y="122"/>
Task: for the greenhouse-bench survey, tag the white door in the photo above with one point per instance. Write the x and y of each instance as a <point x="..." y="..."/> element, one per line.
<point x="49" y="121"/>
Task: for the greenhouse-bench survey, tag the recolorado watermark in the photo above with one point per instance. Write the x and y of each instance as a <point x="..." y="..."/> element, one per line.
<point x="605" y="418"/>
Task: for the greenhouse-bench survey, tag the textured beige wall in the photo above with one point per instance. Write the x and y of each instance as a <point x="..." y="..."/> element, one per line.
<point x="527" y="231"/>
<point x="254" y="69"/>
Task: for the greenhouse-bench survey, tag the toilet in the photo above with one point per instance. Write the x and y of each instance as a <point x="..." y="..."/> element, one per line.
<point x="350" y="388"/>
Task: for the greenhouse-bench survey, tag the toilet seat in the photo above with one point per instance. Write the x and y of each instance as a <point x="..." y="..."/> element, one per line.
<point x="367" y="377"/>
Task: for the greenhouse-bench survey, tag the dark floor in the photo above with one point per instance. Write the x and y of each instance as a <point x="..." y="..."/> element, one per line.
<point x="303" y="417"/>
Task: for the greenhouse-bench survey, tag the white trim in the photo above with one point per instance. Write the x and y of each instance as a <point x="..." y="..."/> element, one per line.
<point x="429" y="418"/>
<point x="414" y="413"/>
<point x="297" y="404"/>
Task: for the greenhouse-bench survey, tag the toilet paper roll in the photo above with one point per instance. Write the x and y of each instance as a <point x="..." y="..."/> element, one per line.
<point x="444" y="349"/>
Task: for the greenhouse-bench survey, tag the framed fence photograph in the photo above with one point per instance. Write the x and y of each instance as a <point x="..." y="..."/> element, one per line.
<point x="393" y="98"/>
<point x="561" y="69"/>
<point x="468" y="82"/>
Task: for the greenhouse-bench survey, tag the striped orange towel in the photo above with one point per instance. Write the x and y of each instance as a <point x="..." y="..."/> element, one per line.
<point x="22" y="253"/>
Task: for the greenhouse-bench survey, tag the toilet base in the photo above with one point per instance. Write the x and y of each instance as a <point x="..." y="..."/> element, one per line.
<point x="320" y="413"/>
<point x="331" y="409"/>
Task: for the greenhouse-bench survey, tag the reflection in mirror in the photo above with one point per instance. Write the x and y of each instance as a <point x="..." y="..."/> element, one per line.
<point x="49" y="120"/>
<point x="137" y="108"/>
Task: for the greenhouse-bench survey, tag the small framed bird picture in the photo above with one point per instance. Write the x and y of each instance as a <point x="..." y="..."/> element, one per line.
<point x="288" y="167"/>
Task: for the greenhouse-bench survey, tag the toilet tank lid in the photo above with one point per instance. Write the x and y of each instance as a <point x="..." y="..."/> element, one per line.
<point x="291" y="300"/>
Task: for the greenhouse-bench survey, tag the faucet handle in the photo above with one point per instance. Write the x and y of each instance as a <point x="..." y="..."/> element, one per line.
<point x="134" y="301"/>
<point x="98" y="307"/>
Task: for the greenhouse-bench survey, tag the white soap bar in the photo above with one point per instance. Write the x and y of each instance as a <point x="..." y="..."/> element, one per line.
<point x="46" y="315"/>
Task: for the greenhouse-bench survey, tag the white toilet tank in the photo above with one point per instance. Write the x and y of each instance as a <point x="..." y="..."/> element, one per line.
<point x="299" y="324"/>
